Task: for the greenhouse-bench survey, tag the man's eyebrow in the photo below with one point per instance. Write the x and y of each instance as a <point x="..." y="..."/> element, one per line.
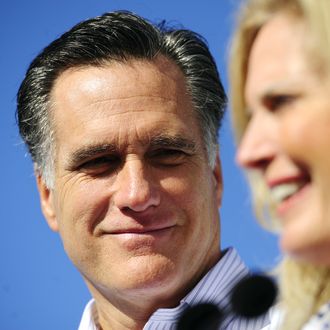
<point x="160" y="141"/>
<point x="173" y="142"/>
<point x="88" y="152"/>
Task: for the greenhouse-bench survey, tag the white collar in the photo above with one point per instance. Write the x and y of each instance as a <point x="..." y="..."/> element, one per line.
<point x="89" y="315"/>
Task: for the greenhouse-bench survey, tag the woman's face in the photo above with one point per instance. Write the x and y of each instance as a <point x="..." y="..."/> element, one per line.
<point x="287" y="139"/>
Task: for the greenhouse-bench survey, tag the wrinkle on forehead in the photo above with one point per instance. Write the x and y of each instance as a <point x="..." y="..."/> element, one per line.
<point x="120" y="88"/>
<point x="123" y="104"/>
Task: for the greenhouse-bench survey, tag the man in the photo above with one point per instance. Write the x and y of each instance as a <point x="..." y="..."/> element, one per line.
<point x="121" y="119"/>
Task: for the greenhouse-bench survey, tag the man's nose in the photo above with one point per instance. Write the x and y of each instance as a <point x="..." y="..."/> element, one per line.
<point x="259" y="144"/>
<point x="135" y="187"/>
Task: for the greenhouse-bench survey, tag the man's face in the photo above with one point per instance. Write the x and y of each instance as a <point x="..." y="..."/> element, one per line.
<point x="135" y="201"/>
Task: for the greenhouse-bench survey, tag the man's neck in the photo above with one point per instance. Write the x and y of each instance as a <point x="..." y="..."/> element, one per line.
<point x="125" y="314"/>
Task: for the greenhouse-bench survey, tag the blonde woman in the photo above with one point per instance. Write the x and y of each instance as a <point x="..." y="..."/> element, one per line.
<point x="280" y="101"/>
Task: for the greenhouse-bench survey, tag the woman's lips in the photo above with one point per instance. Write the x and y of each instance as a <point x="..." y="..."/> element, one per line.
<point x="284" y="191"/>
<point x="289" y="191"/>
<point x="296" y="198"/>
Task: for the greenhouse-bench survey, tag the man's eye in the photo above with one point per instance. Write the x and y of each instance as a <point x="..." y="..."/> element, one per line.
<point x="100" y="165"/>
<point x="168" y="157"/>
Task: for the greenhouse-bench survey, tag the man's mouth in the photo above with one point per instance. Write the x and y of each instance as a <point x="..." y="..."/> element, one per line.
<point x="145" y="231"/>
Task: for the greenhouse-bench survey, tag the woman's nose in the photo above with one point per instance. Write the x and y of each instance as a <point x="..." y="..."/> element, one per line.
<point x="259" y="143"/>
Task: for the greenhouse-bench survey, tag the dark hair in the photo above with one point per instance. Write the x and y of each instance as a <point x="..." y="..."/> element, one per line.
<point x="116" y="36"/>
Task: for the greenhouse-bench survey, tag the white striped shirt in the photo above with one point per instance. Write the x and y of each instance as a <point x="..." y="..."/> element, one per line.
<point x="213" y="288"/>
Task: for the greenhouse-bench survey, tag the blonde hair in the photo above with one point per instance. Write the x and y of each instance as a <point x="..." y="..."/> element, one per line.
<point x="304" y="287"/>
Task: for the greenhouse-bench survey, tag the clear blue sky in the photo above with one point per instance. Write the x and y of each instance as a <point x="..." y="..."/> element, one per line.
<point x="39" y="288"/>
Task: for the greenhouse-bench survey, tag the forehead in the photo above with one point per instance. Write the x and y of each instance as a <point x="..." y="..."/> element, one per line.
<point x="278" y="55"/>
<point x="120" y="98"/>
<point x="119" y="80"/>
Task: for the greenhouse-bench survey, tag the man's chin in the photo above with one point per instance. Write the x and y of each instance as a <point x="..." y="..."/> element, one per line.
<point x="145" y="272"/>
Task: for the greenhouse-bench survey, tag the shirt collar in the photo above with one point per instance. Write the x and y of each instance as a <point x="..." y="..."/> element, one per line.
<point x="214" y="287"/>
<point x="89" y="317"/>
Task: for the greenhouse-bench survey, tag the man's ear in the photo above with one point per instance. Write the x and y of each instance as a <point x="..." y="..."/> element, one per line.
<point x="217" y="173"/>
<point x="47" y="203"/>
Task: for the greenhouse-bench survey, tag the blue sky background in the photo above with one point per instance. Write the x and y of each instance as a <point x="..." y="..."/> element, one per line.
<point x="39" y="287"/>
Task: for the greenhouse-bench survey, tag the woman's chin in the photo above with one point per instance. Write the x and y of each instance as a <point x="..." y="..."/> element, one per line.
<point x="316" y="253"/>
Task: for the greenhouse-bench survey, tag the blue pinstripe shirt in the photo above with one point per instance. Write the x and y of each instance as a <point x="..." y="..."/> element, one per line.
<point x="214" y="288"/>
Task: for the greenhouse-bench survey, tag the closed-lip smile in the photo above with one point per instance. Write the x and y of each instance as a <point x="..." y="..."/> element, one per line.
<point x="141" y="231"/>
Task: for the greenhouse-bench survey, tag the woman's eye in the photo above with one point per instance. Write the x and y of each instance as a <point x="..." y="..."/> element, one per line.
<point x="276" y="102"/>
